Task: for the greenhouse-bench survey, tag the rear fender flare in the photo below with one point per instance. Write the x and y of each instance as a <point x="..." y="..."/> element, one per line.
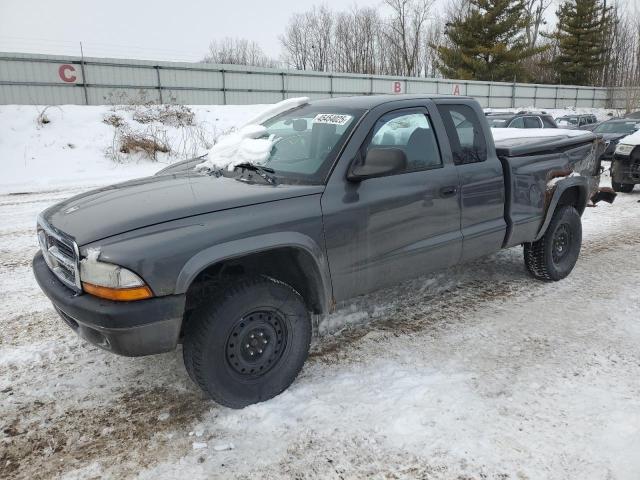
<point x="582" y="185"/>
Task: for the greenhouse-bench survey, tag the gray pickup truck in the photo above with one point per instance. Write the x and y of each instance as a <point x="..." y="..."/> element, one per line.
<point x="357" y="194"/>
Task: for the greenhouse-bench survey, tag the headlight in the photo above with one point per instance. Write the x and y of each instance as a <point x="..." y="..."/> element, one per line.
<point x="113" y="282"/>
<point x="624" y="149"/>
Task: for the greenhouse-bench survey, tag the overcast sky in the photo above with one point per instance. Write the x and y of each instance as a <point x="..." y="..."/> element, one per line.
<point x="167" y="29"/>
<point x="158" y="29"/>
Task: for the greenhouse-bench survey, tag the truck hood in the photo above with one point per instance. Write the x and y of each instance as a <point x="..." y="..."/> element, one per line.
<point x="122" y="207"/>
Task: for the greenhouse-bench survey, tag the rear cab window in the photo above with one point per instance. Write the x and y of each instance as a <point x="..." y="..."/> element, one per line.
<point x="467" y="139"/>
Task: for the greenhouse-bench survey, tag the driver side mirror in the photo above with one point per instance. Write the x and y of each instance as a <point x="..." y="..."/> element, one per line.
<point x="379" y="162"/>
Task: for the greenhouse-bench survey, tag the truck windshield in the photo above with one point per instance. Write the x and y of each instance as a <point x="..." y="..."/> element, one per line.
<point x="307" y="140"/>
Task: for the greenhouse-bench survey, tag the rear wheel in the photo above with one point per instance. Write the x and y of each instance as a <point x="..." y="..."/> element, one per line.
<point x="248" y="344"/>
<point x="556" y="253"/>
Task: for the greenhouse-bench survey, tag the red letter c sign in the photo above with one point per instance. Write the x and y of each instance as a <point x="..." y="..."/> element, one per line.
<point x="67" y="73"/>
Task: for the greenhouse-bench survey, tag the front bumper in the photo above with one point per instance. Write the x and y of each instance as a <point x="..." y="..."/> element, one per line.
<point x="137" y="328"/>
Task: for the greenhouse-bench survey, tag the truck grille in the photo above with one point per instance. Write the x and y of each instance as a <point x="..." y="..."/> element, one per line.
<point x="61" y="255"/>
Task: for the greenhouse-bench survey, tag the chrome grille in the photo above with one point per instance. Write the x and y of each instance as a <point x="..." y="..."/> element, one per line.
<point x="61" y="255"/>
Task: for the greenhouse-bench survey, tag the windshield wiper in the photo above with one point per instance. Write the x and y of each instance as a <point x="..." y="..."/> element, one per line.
<point x="265" y="173"/>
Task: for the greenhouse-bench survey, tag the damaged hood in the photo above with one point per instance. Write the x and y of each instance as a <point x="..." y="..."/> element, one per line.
<point x="122" y="207"/>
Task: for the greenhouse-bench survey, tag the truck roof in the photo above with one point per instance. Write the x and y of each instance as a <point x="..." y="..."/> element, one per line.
<point x="370" y="101"/>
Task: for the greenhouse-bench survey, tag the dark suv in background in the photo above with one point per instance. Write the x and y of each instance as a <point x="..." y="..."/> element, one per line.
<point x="612" y="131"/>
<point x="520" y="120"/>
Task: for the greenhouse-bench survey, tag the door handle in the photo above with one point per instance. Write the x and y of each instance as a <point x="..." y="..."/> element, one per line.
<point x="448" y="191"/>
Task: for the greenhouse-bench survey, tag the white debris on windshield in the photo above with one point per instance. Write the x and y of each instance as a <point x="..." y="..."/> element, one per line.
<point x="246" y="144"/>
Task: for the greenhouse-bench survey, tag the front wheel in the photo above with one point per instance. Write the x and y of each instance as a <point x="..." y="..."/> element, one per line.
<point x="248" y="344"/>
<point x="617" y="186"/>
<point x="556" y="253"/>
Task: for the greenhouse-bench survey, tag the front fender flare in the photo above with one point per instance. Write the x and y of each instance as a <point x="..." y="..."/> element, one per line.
<point x="256" y="244"/>
<point x="579" y="182"/>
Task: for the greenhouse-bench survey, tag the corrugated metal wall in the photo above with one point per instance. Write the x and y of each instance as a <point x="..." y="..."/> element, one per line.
<point x="54" y="80"/>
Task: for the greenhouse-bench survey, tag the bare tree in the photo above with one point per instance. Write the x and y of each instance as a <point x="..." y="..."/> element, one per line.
<point x="296" y="43"/>
<point x="360" y="40"/>
<point x="237" y="51"/>
<point x="356" y="36"/>
<point x="434" y="36"/>
<point x="535" y="10"/>
<point x="622" y="74"/>
<point x="319" y="25"/>
<point x="406" y="31"/>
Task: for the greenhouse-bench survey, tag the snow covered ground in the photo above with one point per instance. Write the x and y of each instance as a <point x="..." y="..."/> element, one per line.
<point x="79" y="143"/>
<point x="476" y="373"/>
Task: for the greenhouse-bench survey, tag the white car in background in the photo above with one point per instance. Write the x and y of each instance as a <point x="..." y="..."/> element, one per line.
<point x="625" y="166"/>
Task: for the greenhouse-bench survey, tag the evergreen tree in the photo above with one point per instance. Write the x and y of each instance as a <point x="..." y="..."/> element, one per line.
<point x="487" y="42"/>
<point x="581" y="38"/>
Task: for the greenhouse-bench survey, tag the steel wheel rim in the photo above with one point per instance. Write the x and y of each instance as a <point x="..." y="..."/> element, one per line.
<point x="256" y="343"/>
<point x="561" y="242"/>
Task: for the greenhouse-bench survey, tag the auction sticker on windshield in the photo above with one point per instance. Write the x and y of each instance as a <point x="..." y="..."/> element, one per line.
<point x="332" y="118"/>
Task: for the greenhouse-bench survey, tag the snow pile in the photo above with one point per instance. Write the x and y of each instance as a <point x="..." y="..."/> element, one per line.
<point x="73" y="147"/>
<point x="509" y="133"/>
<point x="245" y="145"/>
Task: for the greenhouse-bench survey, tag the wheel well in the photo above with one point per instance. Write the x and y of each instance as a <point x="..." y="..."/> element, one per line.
<point x="574" y="196"/>
<point x="291" y="265"/>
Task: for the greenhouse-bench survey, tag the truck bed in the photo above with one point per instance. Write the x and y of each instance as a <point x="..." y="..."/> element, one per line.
<point x="534" y="164"/>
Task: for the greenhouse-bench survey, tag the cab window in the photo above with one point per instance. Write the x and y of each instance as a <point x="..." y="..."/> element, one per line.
<point x="411" y="132"/>
<point x="465" y="133"/>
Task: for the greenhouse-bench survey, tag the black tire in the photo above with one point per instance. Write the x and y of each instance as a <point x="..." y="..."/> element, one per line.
<point x="619" y="187"/>
<point x="622" y="187"/>
<point x="249" y="343"/>
<point x="553" y="256"/>
<point x="188" y="359"/>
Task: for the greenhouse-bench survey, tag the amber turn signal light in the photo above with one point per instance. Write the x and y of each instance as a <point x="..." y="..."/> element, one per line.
<point x="118" y="294"/>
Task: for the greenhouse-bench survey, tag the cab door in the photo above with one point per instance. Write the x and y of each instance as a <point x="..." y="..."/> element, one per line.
<point x="482" y="187"/>
<point x="383" y="230"/>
